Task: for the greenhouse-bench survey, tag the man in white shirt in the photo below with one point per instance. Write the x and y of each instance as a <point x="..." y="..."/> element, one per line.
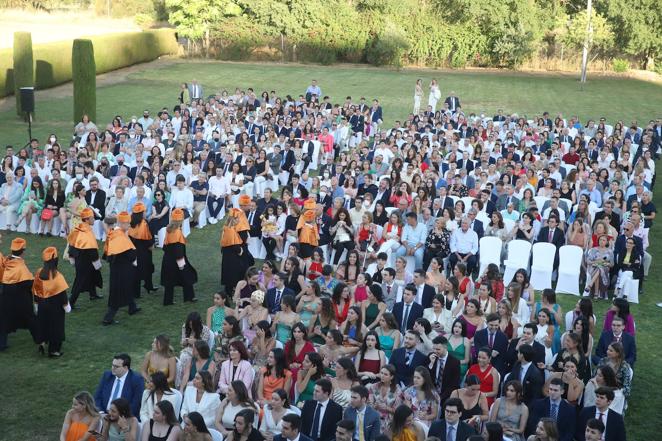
<point x="464" y="246"/>
<point x="218" y="191"/>
<point x="182" y="197"/>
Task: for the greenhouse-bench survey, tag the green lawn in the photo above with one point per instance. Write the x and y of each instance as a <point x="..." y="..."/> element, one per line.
<point x="36" y="392"/>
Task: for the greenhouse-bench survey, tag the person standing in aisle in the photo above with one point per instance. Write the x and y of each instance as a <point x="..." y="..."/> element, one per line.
<point x="50" y="295"/>
<point x="142" y="239"/>
<point x="16" y="310"/>
<point x="84" y="255"/>
<point x="176" y="270"/>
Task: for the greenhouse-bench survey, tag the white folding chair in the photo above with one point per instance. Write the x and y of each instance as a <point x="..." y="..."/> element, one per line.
<point x="509" y="224"/>
<point x="490" y="252"/>
<point x="390" y="210"/>
<point x="542" y="265"/>
<point x="482" y="216"/>
<point x="570" y="263"/>
<point x="372" y="269"/>
<point x="215" y="434"/>
<point x="467" y="203"/>
<point x="161" y="236"/>
<point x="540" y="201"/>
<point x="518" y="257"/>
<point x="256" y="248"/>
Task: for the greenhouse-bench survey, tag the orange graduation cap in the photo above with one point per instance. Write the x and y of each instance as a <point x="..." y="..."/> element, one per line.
<point x="309" y="204"/>
<point x="49" y="253"/>
<point x="138" y="207"/>
<point x="244" y="199"/>
<point x="87" y="212"/>
<point x="177" y="215"/>
<point x="309" y="216"/>
<point x="124" y="217"/>
<point x="18" y="244"/>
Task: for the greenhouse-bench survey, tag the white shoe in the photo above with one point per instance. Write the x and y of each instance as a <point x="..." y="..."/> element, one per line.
<point x="213" y="220"/>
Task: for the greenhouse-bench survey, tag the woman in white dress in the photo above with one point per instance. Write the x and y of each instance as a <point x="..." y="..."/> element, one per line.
<point x="278" y="407"/>
<point x="418" y="95"/>
<point x="435" y="95"/>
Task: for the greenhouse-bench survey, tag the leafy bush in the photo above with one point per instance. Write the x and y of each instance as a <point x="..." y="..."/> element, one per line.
<point x="111" y="52"/>
<point x="620" y="65"/>
<point x="23" y="65"/>
<point x="85" y="80"/>
<point x="388" y="48"/>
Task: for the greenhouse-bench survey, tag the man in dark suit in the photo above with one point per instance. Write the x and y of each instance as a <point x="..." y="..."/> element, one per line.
<point x="406" y="359"/>
<point x="528" y="334"/>
<point x="120" y="382"/>
<point x="290" y="431"/>
<point x="345" y="430"/>
<point x="383" y="194"/>
<point x="253" y="217"/>
<point x="96" y="199"/>
<point x="528" y="374"/>
<point x="488" y="205"/>
<point x="275" y="294"/>
<point x="295" y="187"/>
<point x="619" y="245"/>
<point x="424" y="292"/>
<point x="614" y="427"/>
<point x="616" y="334"/>
<point x="444" y="369"/>
<point x="288" y="161"/>
<point x="445" y="201"/>
<point x="493" y="338"/>
<point x="506" y="198"/>
<point x="555" y="407"/>
<point x="266" y="200"/>
<point x="451" y="428"/>
<point x="552" y="234"/>
<point x="475" y="224"/>
<point x="320" y="415"/>
<point x="366" y="418"/>
<point x="453" y="102"/>
<point x="367" y="187"/>
<point x="407" y="311"/>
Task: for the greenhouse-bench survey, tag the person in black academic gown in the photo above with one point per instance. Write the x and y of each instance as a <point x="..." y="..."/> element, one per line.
<point x="121" y="254"/>
<point x="176" y="270"/>
<point x="84" y="254"/>
<point x="50" y="294"/>
<point x="144" y="242"/>
<point x="16" y="310"/>
<point x="235" y="253"/>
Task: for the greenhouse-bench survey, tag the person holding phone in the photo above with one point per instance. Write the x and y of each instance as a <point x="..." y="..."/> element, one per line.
<point x="82" y="420"/>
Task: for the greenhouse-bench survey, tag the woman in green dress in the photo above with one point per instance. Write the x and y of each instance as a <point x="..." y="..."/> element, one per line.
<point x="285" y="319"/>
<point x="217" y="312"/>
<point x="459" y="346"/>
<point x="388" y="333"/>
<point x="309" y="303"/>
<point x="322" y="322"/>
<point x="373" y="307"/>
<point x="312" y="369"/>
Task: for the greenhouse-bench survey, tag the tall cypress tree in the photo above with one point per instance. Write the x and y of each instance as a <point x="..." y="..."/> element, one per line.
<point x="23" y="65"/>
<point x="83" y="69"/>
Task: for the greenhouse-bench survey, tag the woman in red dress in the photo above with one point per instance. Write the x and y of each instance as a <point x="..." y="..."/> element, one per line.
<point x="315" y="265"/>
<point x="466" y="286"/>
<point x="342" y="300"/>
<point x="489" y="377"/>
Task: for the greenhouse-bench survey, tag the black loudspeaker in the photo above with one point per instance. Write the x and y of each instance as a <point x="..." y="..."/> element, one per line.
<point x="27" y="99"/>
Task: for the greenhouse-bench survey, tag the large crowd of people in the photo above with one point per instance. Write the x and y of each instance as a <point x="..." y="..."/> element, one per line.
<point x="352" y="303"/>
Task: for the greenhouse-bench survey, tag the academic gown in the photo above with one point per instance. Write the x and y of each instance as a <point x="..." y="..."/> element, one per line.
<point x="83" y="248"/>
<point x="174" y="249"/>
<point x="16" y="310"/>
<point x="143" y="241"/>
<point x="120" y="253"/>
<point x="236" y="257"/>
<point x="51" y="298"/>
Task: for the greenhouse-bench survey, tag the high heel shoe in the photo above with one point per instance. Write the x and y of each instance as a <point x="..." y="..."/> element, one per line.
<point x="42" y="349"/>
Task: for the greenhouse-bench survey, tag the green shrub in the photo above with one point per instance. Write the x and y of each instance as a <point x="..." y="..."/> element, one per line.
<point x="6" y="72"/>
<point x="112" y="51"/>
<point x="84" y="75"/>
<point x="620" y="65"/>
<point x="388" y="48"/>
<point x="23" y="65"/>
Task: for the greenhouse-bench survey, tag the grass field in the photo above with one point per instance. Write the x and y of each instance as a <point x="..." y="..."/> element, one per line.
<point x="35" y="392"/>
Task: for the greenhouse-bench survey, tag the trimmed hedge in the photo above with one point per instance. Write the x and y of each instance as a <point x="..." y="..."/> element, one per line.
<point x="84" y="77"/>
<point x="111" y="52"/>
<point x="23" y="65"/>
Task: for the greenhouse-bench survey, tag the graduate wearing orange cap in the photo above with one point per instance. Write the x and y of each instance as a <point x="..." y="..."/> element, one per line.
<point x="84" y="250"/>
<point x="234" y="249"/>
<point x="121" y="254"/>
<point x="144" y="242"/>
<point x="50" y="295"/>
<point x="16" y="311"/>
<point x="308" y="234"/>
<point x="176" y="270"/>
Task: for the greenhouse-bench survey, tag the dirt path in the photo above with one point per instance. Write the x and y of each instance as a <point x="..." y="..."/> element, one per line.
<point x="108" y="79"/>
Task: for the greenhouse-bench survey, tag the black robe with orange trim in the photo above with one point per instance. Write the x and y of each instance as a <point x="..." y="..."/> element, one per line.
<point x="51" y="296"/>
<point x="120" y="253"/>
<point x="174" y="248"/>
<point x="16" y="310"/>
<point x="236" y="257"/>
<point x="143" y="241"/>
<point x="84" y="249"/>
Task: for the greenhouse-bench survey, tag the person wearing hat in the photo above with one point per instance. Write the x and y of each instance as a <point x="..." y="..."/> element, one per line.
<point x="234" y="249"/>
<point x="308" y="235"/>
<point x="16" y="311"/>
<point x="121" y="254"/>
<point x="176" y="270"/>
<point x="50" y="295"/>
<point x="84" y="250"/>
<point x="144" y="242"/>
